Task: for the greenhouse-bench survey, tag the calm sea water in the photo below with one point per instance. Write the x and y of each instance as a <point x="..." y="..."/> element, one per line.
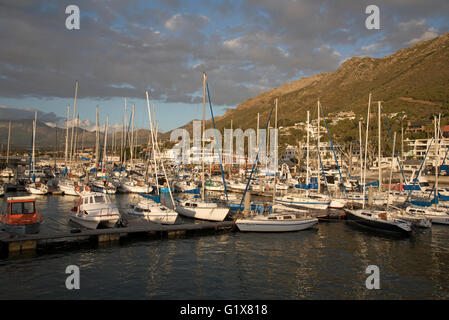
<point x="327" y="262"/>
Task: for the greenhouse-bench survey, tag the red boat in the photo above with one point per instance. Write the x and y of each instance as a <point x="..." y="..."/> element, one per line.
<point x="21" y="216"/>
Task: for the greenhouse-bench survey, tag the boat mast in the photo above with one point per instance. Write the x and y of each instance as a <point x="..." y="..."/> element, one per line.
<point x="9" y="137"/>
<point x="33" y="157"/>
<point x="67" y="136"/>
<point x="307" y="148"/>
<point x="132" y="136"/>
<point x="437" y="155"/>
<point x="360" y="151"/>
<point x="105" y="142"/>
<point x="76" y="136"/>
<point x="391" y="169"/>
<point x="318" y="150"/>
<point x="275" y="160"/>
<point x="204" y="128"/>
<point x="97" y="137"/>
<point x="162" y="163"/>
<point x="379" y="147"/>
<point x="366" y="152"/>
<point x="73" y="119"/>
<point x="153" y="143"/>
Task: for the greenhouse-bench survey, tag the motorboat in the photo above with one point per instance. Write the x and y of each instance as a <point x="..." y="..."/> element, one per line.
<point x="95" y="210"/>
<point x="21" y="216"/>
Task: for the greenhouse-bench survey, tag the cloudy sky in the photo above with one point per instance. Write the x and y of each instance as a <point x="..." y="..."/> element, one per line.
<point x="246" y="46"/>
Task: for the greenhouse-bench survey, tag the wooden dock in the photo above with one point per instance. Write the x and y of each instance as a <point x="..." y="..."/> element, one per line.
<point x="12" y="243"/>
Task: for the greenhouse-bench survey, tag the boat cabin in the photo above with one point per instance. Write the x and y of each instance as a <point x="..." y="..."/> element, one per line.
<point x="20" y="213"/>
<point x="94" y="198"/>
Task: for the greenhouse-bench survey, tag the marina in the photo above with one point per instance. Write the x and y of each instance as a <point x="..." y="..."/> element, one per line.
<point x="217" y="150"/>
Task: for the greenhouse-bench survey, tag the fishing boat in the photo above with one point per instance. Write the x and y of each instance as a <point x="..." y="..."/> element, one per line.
<point x="21" y="216"/>
<point x="379" y="220"/>
<point x="152" y="211"/>
<point x="281" y="219"/>
<point x="95" y="210"/>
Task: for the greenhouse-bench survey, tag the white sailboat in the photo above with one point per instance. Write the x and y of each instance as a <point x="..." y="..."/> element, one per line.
<point x="200" y="208"/>
<point x="152" y="211"/>
<point x="281" y="218"/>
<point x="311" y="201"/>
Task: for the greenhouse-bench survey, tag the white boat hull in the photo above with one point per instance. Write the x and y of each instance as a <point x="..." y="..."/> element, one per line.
<point x="211" y="214"/>
<point x="254" y="225"/>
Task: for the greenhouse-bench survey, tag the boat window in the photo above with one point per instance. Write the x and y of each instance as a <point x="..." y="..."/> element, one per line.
<point x="287" y="217"/>
<point x="194" y="205"/>
<point x="99" y="199"/>
<point x="187" y="204"/>
<point x="272" y="218"/>
<point x="22" y="208"/>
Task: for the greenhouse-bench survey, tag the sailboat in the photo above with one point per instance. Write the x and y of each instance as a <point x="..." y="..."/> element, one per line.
<point x="34" y="187"/>
<point x="281" y="218"/>
<point x="147" y="208"/>
<point x="311" y="201"/>
<point x="377" y="219"/>
<point x="199" y="208"/>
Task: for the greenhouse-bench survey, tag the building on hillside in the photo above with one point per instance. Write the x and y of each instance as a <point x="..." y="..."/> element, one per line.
<point x="415" y="127"/>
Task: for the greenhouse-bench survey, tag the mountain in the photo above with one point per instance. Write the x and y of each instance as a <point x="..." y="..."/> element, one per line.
<point x="51" y="138"/>
<point x="414" y="80"/>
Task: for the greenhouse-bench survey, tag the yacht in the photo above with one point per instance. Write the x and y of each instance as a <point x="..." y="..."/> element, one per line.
<point x="69" y="187"/>
<point x="200" y="209"/>
<point x="379" y="219"/>
<point x="103" y="186"/>
<point x="152" y="211"/>
<point x="37" y="188"/>
<point x="282" y="219"/>
<point x="437" y="215"/>
<point x="315" y="201"/>
<point x="135" y="186"/>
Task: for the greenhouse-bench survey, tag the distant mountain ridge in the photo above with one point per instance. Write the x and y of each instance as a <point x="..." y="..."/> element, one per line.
<point x="415" y="79"/>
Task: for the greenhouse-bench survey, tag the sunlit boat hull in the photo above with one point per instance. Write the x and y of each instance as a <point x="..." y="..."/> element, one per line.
<point x="255" y="225"/>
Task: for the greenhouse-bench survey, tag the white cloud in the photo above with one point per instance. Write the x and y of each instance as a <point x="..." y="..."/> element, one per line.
<point x="429" y="34"/>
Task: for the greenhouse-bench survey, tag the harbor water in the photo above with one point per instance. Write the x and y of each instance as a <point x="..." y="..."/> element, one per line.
<point x="325" y="262"/>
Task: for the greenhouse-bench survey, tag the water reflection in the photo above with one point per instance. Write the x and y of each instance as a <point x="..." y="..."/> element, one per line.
<point x="328" y="262"/>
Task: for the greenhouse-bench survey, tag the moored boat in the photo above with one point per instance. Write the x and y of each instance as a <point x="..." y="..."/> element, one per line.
<point x="95" y="210"/>
<point x="21" y="216"/>
<point x="379" y="220"/>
